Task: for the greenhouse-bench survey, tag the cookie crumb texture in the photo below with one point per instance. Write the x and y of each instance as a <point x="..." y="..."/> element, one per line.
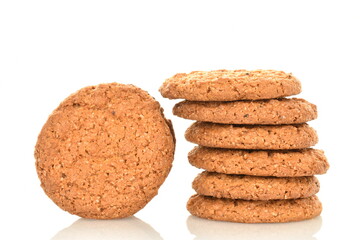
<point x="105" y="151"/>
<point x="271" y="112"/>
<point x="277" y="163"/>
<point x="244" y="211"/>
<point x="252" y="136"/>
<point x="230" y="85"/>
<point x="254" y="188"/>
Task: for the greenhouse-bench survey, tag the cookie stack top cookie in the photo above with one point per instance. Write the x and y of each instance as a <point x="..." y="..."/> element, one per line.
<point x="230" y="85"/>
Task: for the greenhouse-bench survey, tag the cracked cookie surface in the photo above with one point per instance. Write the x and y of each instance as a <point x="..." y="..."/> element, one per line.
<point x="274" y="137"/>
<point x="230" y="85"/>
<point x="273" y="111"/>
<point x="277" y="163"/>
<point x="244" y="211"/>
<point x="221" y="185"/>
<point x="105" y="151"/>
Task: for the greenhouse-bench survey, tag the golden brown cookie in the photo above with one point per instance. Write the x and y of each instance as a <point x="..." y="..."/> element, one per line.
<point x="291" y="163"/>
<point x="244" y="211"/>
<point x="221" y="185"/>
<point x="252" y="136"/>
<point x="273" y="111"/>
<point x="105" y="151"/>
<point x="230" y="85"/>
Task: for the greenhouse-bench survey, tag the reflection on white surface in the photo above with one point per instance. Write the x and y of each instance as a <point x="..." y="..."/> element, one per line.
<point x="208" y="229"/>
<point x="130" y="228"/>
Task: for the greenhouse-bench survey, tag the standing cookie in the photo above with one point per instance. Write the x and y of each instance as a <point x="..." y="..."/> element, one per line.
<point x="105" y="151"/>
<point x="230" y="85"/>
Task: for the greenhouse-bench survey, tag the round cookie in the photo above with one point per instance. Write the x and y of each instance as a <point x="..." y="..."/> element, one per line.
<point x="221" y="185"/>
<point x="244" y="211"/>
<point x="230" y="85"/>
<point x="252" y="136"/>
<point x="291" y="163"/>
<point x="273" y="111"/>
<point x="105" y="151"/>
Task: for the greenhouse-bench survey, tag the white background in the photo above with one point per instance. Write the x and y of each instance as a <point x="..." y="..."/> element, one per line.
<point x="49" y="49"/>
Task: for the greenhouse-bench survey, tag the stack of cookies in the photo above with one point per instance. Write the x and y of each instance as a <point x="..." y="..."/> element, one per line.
<point x="254" y="145"/>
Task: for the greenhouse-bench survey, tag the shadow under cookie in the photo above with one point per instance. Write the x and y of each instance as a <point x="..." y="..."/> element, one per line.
<point x="204" y="229"/>
<point x="127" y="228"/>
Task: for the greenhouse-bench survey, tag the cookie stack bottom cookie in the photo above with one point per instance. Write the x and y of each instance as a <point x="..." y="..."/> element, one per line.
<point x="237" y="210"/>
<point x="253" y="143"/>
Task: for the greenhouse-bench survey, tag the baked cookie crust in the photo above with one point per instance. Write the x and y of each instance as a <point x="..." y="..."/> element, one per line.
<point x="279" y="163"/>
<point x="230" y="85"/>
<point x="105" y="151"/>
<point x="263" y="112"/>
<point x="221" y="185"/>
<point x="243" y="211"/>
<point x="252" y="136"/>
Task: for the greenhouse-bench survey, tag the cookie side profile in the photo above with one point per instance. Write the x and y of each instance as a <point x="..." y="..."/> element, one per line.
<point x="268" y="112"/>
<point x="221" y="185"/>
<point x="105" y="151"/>
<point x="291" y="163"/>
<point x="252" y="136"/>
<point x="244" y="211"/>
<point x="230" y="85"/>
